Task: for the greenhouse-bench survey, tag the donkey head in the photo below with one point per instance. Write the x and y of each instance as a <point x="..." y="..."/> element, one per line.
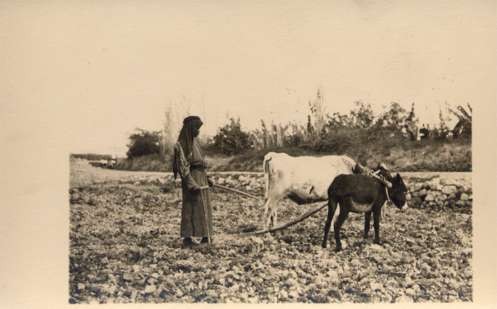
<point x="398" y="192"/>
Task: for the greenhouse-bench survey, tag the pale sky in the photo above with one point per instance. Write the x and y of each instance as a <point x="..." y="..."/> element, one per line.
<point x="89" y="72"/>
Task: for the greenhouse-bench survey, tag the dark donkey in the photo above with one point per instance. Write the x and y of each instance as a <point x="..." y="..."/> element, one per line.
<point x="362" y="194"/>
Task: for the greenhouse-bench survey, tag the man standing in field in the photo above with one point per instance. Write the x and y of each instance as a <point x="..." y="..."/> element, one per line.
<point x="189" y="163"/>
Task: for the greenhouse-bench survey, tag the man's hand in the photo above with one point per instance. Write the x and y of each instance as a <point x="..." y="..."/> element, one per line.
<point x="210" y="182"/>
<point x="192" y="185"/>
<point x="195" y="189"/>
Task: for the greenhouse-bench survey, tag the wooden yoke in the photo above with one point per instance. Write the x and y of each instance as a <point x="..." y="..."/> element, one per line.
<point x="359" y="169"/>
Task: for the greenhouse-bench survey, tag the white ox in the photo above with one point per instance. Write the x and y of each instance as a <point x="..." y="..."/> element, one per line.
<point x="303" y="179"/>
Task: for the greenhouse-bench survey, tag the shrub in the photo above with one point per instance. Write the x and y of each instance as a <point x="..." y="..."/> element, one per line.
<point x="151" y="162"/>
<point x="91" y="156"/>
<point x="231" y="139"/>
<point x="143" y="142"/>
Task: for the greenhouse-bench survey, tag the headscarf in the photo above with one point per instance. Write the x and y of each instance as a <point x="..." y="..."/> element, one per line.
<point x="185" y="139"/>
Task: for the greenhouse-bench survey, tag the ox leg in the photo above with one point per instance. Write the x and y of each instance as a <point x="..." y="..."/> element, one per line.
<point x="266" y="218"/>
<point x="271" y="219"/>
<point x="342" y="216"/>
<point x="270" y="213"/>
<point x="376" y="221"/>
<point x="367" y="220"/>
<point x="332" y="206"/>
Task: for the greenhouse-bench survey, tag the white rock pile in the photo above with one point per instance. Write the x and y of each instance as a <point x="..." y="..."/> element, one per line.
<point x="441" y="192"/>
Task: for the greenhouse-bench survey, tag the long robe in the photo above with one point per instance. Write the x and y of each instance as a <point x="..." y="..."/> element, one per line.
<point x="196" y="213"/>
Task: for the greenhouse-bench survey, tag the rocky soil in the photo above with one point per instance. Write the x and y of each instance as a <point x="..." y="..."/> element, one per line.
<point x="125" y="247"/>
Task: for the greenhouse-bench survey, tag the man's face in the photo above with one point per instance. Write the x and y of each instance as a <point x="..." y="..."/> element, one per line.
<point x="195" y="131"/>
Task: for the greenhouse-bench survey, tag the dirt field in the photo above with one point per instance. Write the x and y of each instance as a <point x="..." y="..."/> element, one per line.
<point x="125" y="247"/>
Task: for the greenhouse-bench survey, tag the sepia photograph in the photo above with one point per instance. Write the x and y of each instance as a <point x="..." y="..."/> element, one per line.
<point x="251" y="152"/>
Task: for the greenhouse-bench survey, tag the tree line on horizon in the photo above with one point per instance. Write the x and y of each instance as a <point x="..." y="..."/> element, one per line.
<point x="323" y="132"/>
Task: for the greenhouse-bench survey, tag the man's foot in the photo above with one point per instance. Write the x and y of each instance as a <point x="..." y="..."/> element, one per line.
<point x="188" y="242"/>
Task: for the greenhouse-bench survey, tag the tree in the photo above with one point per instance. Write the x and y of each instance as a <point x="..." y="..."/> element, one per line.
<point x="309" y="127"/>
<point x="337" y="120"/>
<point x="282" y="134"/>
<point x="442" y="131"/>
<point x="464" y="124"/>
<point x="297" y="135"/>
<point x="174" y="113"/>
<point x="265" y="134"/>
<point x="411" y="124"/>
<point x="362" y="116"/>
<point x="274" y="135"/>
<point x="231" y="139"/>
<point x="143" y="142"/>
<point x="317" y="109"/>
<point x="394" y="118"/>
<point x="167" y="141"/>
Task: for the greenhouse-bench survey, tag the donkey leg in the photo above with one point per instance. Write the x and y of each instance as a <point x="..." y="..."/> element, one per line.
<point x="332" y="206"/>
<point x="376" y="221"/>
<point x="344" y="212"/>
<point x="367" y="220"/>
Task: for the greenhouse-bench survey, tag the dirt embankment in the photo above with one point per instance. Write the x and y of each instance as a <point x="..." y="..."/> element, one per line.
<point x="426" y="155"/>
<point x="453" y="156"/>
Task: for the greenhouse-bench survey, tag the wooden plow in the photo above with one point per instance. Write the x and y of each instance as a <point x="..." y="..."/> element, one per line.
<point x="276" y="228"/>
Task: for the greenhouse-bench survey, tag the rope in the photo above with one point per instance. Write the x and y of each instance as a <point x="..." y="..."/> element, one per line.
<point x="388" y="195"/>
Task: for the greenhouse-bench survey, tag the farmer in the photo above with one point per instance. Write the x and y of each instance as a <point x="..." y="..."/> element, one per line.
<point x="189" y="163"/>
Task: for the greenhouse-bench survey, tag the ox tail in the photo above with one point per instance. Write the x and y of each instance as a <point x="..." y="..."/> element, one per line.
<point x="267" y="174"/>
